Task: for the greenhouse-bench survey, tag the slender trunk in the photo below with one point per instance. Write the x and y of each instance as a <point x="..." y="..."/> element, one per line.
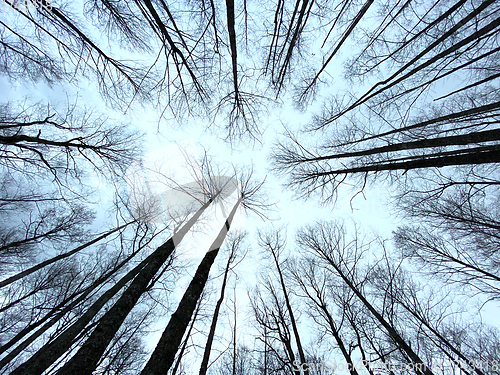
<point x="290" y="312"/>
<point x="368" y="95"/>
<point x="448" y="344"/>
<point x="360" y="343"/>
<point x="213" y="325"/>
<point x="45" y="263"/>
<point x="339" y="341"/>
<point x="232" y="43"/>
<point x="188" y="335"/>
<point x="464" y="139"/>
<point x="390" y="330"/>
<point x="337" y="18"/>
<point x="410" y="38"/>
<point x="442" y="257"/>
<point x="49" y="353"/>
<point x="164" y="354"/>
<point x="265" y="350"/>
<point x="173" y="47"/>
<point x="480" y="82"/>
<point x="466" y="114"/>
<point x="356" y="20"/>
<point x="55" y="318"/>
<point x="55" y="13"/>
<point x="235" y="315"/>
<point x="293" y="41"/>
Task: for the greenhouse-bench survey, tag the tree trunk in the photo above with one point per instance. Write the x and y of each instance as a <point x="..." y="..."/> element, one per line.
<point x="87" y="358"/>
<point x="163" y="356"/>
<point x="188" y="335"/>
<point x="213" y="325"/>
<point x="463" y="139"/>
<point x="484" y="155"/>
<point x="390" y="330"/>
<point x="45" y="263"/>
<point x="62" y="309"/>
<point x="290" y="312"/>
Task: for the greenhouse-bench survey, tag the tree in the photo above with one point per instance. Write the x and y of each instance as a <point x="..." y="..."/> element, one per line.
<point x="163" y="356"/>
<point x="111" y="321"/>
<point x="457" y="238"/>
<point x="81" y="293"/>
<point x="318" y="290"/>
<point x="393" y="130"/>
<point x="234" y="245"/>
<point x="273" y="325"/>
<point x="327" y="240"/>
<point x="274" y="243"/>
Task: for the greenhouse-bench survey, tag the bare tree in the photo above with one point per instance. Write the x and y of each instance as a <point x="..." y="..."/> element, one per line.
<point x="234" y="245"/>
<point x="274" y="243"/>
<point x="329" y="242"/>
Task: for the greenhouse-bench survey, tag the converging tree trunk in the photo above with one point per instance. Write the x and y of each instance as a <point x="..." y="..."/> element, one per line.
<point x="211" y="334"/>
<point x="164" y="354"/>
<point x="86" y="359"/>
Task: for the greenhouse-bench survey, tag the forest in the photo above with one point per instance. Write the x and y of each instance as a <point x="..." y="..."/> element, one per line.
<point x="123" y="251"/>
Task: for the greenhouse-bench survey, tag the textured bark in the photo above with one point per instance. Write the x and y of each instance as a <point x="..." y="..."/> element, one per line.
<point x="164" y="354"/>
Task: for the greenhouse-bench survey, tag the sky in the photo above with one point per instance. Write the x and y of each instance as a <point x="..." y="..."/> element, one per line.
<point x="162" y="141"/>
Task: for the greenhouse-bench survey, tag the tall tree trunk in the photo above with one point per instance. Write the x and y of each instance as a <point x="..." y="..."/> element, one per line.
<point x="455" y="140"/>
<point x="89" y="354"/>
<point x="163" y="356"/>
<point x="390" y="330"/>
<point x="338" y="339"/>
<point x="47" y="262"/>
<point x="57" y="313"/>
<point x="443" y="339"/>
<point x="188" y="335"/>
<point x="479" y="155"/>
<point x="213" y="325"/>
<point x="85" y="360"/>
<point x="290" y="311"/>
<point x="235" y="316"/>
<point x="451" y="32"/>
